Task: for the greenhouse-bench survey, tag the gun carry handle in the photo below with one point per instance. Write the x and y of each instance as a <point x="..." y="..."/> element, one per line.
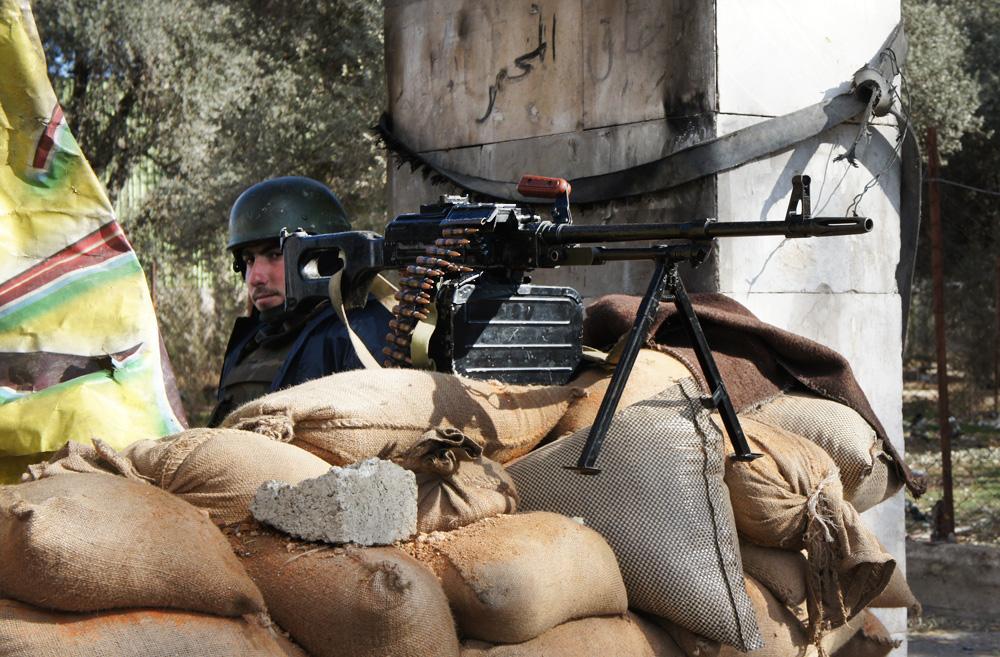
<point x="543" y="187"/>
<point x="554" y="188"/>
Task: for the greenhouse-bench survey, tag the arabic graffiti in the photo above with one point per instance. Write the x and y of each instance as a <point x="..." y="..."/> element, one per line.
<point x="524" y="63"/>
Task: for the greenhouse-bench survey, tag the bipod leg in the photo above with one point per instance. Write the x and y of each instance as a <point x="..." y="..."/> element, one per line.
<point x="636" y="339"/>
<point x="719" y="397"/>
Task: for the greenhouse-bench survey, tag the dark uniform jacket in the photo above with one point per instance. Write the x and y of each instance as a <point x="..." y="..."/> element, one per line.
<point x="315" y="348"/>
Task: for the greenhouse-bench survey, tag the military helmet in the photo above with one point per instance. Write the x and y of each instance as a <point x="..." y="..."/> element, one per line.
<point x="291" y="202"/>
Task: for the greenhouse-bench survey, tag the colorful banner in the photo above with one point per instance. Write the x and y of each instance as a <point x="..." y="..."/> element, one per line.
<point x="79" y="344"/>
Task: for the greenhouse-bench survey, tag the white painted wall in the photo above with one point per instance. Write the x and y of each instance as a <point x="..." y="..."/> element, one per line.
<point x="775" y="57"/>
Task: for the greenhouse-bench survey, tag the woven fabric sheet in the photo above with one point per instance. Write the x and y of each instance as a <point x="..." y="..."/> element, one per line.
<point x="662" y="505"/>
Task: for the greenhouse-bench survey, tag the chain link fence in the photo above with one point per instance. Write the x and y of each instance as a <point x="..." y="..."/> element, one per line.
<point x="975" y="461"/>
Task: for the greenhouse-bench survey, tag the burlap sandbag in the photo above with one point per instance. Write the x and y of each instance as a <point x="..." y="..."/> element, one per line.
<point x="872" y="639"/>
<point x="652" y="373"/>
<point x="456" y="484"/>
<point x="604" y="636"/>
<point x="791" y="498"/>
<point x="74" y="458"/>
<point x="661" y="503"/>
<point x="219" y="470"/>
<point x="348" y="602"/>
<point x="783" y="635"/>
<point x="867" y="473"/>
<point x="88" y="542"/>
<point x="352" y="416"/>
<point x="512" y="577"/>
<point x="897" y="594"/>
<point x="27" y="631"/>
<point x="785" y="574"/>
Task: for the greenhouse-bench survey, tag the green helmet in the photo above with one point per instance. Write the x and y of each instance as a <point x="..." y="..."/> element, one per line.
<point x="292" y="202"/>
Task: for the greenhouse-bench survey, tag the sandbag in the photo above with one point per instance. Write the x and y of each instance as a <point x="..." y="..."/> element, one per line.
<point x="652" y="373"/>
<point x="27" y="631"/>
<point x="867" y="472"/>
<point x="219" y="470"/>
<point x="512" y="577"/>
<point x="351" y="416"/>
<point x="456" y="484"/>
<point x="74" y="458"/>
<point x="620" y="636"/>
<point x="897" y="594"/>
<point x="88" y="542"/>
<point x="661" y="504"/>
<point x="791" y="498"/>
<point x="872" y="639"/>
<point x="348" y="602"/>
<point x="782" y="634"/>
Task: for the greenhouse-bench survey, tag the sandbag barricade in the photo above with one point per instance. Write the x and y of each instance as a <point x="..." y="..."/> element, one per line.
<point x="456" y="484"/>
<point x="27" y="631"/>
<point x="866" y="470"/>
<point x="661" y="503"/>
<point x="622" y="636"/>
<point x="89" y="542"/>
<point x="351" y="416"/>
<point x="511" y="578"/>
<point x="348" y="602"/>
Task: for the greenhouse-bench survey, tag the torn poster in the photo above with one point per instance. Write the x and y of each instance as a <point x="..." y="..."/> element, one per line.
<point x="79" y="345"/>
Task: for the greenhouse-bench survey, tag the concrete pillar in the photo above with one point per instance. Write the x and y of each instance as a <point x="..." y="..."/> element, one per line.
<point x="625" y="82"/>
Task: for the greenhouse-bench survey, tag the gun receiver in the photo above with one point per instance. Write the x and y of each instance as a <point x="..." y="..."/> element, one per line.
<point x="464" y="264"/>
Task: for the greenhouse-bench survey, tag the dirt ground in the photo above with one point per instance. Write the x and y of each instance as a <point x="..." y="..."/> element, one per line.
<point x="943" y="637"/>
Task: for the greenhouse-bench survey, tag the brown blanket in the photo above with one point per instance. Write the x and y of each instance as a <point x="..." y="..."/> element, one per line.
<point x="757" y="360"/>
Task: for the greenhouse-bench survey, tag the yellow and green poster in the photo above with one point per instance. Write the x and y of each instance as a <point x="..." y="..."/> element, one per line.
<point x="79" y="343"/>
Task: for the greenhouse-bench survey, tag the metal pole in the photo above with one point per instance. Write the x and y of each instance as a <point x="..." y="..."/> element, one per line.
<point x="945" y="519"/>
<point x="996" y="345"/>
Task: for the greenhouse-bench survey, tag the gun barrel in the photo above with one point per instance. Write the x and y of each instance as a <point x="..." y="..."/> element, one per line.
<point x="701" y="230"/>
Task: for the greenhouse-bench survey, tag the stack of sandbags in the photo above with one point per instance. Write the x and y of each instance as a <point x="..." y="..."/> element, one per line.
<point x="351" y="416"/>
<point x="866" y="469"/>
<point x="662" y="505"/>
<point x="792" y="498"/>
<point x="97" y="564"/>
<point x="332" y="601"/>
<point x="813" y="568"/>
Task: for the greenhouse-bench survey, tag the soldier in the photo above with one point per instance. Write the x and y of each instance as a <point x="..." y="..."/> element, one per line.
<point x="274" y="348"/>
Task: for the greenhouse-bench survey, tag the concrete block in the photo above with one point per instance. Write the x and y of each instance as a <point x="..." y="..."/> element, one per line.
<point x="373" y="502"/>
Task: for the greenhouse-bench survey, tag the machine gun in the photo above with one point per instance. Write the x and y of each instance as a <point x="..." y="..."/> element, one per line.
<point x="464" y="269"/>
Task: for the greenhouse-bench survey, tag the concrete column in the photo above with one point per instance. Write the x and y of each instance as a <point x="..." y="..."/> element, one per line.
<point x="773" y="58"/>
<point x="624" y="82"/>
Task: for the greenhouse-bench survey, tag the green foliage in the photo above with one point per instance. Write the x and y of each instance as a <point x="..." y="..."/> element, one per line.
<point x="196" y="100"/>
<point x="944" y="89"/>
<point x="956" y="48"/>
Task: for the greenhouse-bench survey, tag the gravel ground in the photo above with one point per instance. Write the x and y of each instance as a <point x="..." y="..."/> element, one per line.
<point x="943" y="637"/>
<point x="954" y="643"/>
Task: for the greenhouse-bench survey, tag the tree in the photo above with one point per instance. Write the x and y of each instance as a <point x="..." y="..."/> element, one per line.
<point x="199" y="99"/>
<point x="955" y="46"/>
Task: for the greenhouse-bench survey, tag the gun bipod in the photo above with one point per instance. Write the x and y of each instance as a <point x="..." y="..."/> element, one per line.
<point x="666" y="285"/>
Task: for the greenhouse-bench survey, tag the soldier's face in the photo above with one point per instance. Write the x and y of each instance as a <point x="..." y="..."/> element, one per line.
<point x="265" y="275"/>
